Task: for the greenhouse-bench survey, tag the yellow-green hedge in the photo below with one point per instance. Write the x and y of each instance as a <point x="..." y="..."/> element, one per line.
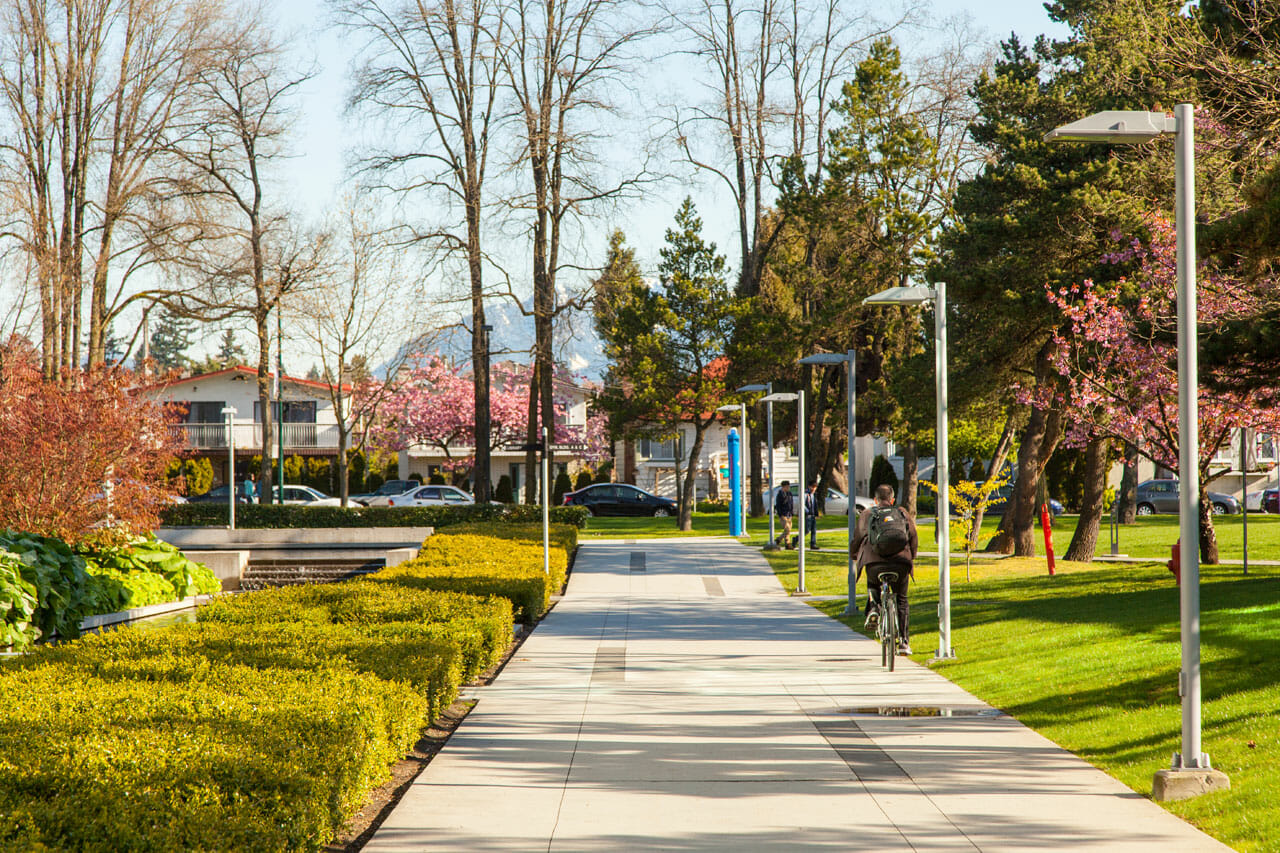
<point x="262" y="727"/>
<point x="136" y="743"/>
<point x="475" y="563"/>
<point x="560" y="535"/>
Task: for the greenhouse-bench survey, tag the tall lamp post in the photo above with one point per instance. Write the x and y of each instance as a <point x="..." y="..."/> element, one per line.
<point x="229" y="415"/>
<point x="798" y="398"/>
<point x="919" y="295"/>
<point x="849" y="360"/>
<point x="1191" y="773"/>
<point x="742" y="462"/>
<point x="767" y="388"/>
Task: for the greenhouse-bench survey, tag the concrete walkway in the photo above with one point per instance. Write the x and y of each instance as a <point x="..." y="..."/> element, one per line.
<point x="676" y="699"/>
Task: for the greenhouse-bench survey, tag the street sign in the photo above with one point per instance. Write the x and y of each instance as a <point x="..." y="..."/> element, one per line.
<point x="536" y="447"/>
<point x="571" y="447"/>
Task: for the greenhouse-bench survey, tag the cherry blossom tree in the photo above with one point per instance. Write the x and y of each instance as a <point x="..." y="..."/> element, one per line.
<point x="433" y="406"/>
<point x="1118" y="358"/>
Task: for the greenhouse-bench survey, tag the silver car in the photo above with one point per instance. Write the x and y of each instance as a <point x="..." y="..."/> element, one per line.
<point x="837" y="501"/>
<point x="433" y="496"/>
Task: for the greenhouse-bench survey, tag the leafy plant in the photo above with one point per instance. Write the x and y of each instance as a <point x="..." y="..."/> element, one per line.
<point x="967" y="500"/>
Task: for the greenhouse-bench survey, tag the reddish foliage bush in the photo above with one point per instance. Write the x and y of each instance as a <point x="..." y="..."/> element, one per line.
<point x="81" y="459"/>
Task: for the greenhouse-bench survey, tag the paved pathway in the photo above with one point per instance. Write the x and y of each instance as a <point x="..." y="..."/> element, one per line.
<point x="676" y="699"/>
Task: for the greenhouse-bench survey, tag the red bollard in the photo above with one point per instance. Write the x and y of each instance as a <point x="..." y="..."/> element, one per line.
<point x="1048" y="539"/>
<point x="1175" y="563"/>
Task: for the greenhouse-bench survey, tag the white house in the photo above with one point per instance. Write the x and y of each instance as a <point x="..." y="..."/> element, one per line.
<point x="651" y="463"/>
<point x="310" y="422"/>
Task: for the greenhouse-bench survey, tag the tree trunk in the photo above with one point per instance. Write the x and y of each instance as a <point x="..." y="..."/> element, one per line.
<point x="690" y="479"/>
<point x="265" y="489"/>
<point x="1128" y="496"/>
<point x="997" y="465"/>
<point x="1208" y="535"/>
<point x="1084" y="542"/>
<point x="910" y="478"/>
<point x="1040" y="438"/>
<point x="482" y="479"/>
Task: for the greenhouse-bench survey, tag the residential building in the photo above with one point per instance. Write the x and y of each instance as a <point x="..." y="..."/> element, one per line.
<point x="310" y="422"/>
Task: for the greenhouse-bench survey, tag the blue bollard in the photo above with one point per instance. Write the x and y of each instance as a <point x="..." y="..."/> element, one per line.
<point x="735" y="484"/>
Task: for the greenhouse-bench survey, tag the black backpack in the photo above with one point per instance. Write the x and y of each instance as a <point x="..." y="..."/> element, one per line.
<point x="887" y="532"/>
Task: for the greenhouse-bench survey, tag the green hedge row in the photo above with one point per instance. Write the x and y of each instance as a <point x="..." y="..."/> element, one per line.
<point x="467" y="559"/>
<point x="262" y="727"/>
<point x="287" y="516"/>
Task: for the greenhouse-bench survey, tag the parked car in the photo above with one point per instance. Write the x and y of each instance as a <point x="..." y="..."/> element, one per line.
<point x="1000" y="499"/>
<point x="1271" y="500"/>
<point x="837" y="502"/>
<point x="1156" y="496"/>
<point x="218" y="494"/>
<point x="432" y="496"/>
<point x="386" y="490"/>
<point x="306" y="496"/>
<point x="620" y="499"/>
<point x="1257" y="501"/>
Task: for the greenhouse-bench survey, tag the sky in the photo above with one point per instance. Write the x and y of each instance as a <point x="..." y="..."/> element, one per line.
<point x="316" y="176"/>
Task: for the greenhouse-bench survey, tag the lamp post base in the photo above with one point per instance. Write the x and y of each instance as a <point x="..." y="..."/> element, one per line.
<point x="1170" y="785"/>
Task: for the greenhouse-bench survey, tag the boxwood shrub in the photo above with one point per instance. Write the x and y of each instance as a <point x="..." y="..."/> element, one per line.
<point x="469" y="562"/>
<point x="287" y="516"/>
<point x="136" y="742"/>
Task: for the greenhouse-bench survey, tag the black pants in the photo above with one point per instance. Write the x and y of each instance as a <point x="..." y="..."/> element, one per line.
<point x="899" y="589"/>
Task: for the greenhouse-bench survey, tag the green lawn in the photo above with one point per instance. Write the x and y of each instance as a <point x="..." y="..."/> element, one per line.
<point x="1090" y="659"/>
<point x="1148" y="538"/>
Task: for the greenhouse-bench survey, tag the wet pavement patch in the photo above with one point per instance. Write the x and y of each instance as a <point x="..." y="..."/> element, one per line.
<point x="712" y="586"/>
<point x="637" y="561"/>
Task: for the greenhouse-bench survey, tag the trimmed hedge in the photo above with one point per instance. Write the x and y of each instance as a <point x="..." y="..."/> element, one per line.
<point x="287" y="516"/>
<point x="470" y="562"/>
<point x="262" y="727"/>
<point x="560" y="535"/>
<point x="137" y="743"/>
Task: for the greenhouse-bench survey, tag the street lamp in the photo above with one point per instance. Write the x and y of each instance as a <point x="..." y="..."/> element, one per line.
<point x="918" y="295"/>
<point x="1191" y="773"/>
<point x="798" y="397"/>
<point x="229" y="416"/>
<point x="767" y="389"/>
<point x="742" y="463"/>
<point x="849" y="360"/>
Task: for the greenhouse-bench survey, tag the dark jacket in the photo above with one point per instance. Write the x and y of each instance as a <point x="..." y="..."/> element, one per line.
<point x="867" y="555"/>
<point x="811" y="504"/>
<point x="783" y="504"/>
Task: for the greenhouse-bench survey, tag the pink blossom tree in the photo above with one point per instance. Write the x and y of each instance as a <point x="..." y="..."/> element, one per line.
<point x="433" y="406"/>
<point x="1118" y="360"/>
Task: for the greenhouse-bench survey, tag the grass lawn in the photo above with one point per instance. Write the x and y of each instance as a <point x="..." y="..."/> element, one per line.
<point x="1090" y="658"/>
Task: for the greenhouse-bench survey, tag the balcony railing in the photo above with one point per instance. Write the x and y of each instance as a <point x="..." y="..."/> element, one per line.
<point x="296" y="436"/>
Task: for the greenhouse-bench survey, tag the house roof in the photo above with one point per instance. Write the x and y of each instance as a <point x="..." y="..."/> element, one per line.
<point x="245" y="370"/>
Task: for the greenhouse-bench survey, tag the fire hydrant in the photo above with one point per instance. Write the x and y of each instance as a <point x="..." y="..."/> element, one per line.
<point x="1175" y="562"/>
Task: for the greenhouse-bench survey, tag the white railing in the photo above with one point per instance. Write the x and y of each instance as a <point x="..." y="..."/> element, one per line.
<point x="249" y="435"/>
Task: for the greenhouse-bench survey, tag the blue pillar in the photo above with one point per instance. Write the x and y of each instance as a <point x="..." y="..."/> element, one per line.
<point x="735" y="484"/>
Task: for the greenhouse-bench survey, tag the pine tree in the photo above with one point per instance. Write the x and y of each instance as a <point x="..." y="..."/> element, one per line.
<point x="170" y="340"/>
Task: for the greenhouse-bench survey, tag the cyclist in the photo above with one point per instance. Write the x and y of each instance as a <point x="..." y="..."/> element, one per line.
<point x="885" y="539"/>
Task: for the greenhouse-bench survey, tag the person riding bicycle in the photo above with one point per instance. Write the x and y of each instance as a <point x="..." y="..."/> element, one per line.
<point x="885" y="540"/>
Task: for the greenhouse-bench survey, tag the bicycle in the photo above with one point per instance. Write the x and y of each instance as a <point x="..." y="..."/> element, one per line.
<point x="887" y="629"/>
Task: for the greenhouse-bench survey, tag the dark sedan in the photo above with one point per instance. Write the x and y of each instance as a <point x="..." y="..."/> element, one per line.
<point x="218" y="494"/>
<point x="1162" y="496"/>
<point x="620" y="499"/>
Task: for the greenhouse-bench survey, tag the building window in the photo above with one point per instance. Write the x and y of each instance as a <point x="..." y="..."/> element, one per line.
<point x="295" y="411"/>
<point x="204" y="412"/>
<point x="670" y="448"/>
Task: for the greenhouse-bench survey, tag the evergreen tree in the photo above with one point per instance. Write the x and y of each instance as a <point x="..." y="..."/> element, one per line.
<point x="171" y="337"/>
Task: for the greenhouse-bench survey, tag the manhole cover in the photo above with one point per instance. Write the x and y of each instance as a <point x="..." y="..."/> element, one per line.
<point x="921" y="711"/>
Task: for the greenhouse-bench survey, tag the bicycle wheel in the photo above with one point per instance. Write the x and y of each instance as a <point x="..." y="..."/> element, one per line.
<point x="881" y="627"/>
<point x="889" y="616"/>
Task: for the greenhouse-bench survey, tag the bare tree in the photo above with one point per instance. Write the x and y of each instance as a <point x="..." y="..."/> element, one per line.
<point x="773" y="66"/>
<point x="431" y="67"/>
<point x="89" y="88"/>
<point x="244" y="253"/>
<point x="361" y="313"/>
<point x="562" y="57"/>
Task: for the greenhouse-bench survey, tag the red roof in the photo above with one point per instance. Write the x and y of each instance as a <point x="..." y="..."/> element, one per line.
<point x="248" y="371"/>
